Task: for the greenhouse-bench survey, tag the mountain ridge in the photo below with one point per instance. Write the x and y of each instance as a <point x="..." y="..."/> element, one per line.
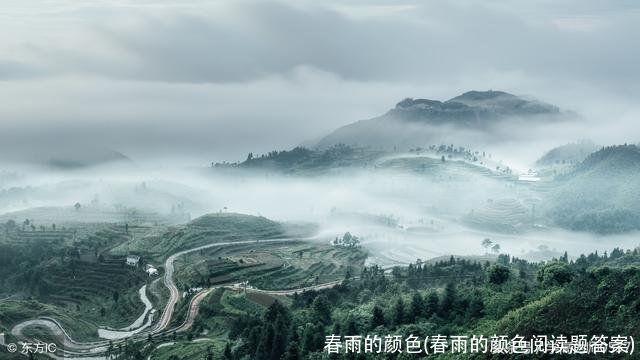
<point x="412" y="121"/>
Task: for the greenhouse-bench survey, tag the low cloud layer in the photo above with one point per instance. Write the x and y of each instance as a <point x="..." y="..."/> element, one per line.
<point x="213" y="80"/>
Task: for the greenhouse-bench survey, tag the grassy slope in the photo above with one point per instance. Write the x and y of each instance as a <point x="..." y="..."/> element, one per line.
<point x="211" y="228"/>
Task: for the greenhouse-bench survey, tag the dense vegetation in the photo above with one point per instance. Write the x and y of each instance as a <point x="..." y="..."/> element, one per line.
<point x="302" y="160"/>
<point x="591" y="295"/>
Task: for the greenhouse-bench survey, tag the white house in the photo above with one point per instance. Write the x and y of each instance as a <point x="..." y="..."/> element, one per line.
<point x="132" y="260"/>
<point x="152" y="271"/>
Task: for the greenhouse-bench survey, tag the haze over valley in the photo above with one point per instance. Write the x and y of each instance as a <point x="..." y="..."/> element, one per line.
<point x="251" y="180"/>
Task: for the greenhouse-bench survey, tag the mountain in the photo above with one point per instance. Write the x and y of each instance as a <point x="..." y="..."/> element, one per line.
<point x="572" y="153"/>
<point x="602" y="193"/>
<point x="415" y="122"/>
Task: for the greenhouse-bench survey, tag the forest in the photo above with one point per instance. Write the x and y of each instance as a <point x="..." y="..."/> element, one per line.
<point x="592" y="297"/>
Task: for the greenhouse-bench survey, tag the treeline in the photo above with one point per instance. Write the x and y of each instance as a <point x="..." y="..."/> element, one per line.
<point x="595" y="294"/>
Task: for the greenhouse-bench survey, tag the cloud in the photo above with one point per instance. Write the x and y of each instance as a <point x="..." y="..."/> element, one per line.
<point x="415" y="42"/>
<point x="215" y="80"/>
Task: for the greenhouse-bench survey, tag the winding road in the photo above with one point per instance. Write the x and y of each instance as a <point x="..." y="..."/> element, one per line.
<point x="97" y="350"/>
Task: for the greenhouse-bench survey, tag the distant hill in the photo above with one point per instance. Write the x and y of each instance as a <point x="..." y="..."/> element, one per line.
<point x="302" y="160"/>
<point x="415" y="122"/>
<point x="572" y="153"/>
<point x="621" y="158"/>
<point x="602" y="193"/>
<point x="237" y="223"/>
<point x="207" y="229"/>
<point x="87" y="158"/>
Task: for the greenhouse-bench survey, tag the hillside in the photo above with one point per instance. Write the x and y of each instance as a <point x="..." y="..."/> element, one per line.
<point x="302" y="160"/>
<point x="572" y="153"/>
<point x="602" y="194"/>
<point x="511" y="298"/>
<point x="415" y="122"/>
<point x="210" y="228"/>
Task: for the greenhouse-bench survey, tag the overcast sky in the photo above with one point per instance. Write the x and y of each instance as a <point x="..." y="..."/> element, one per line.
<point x="213" y="80"/>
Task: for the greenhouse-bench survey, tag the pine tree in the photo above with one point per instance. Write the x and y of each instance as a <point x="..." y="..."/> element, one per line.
<point x="398" y="312"/>
<point x="431" y="304"/>
<point x="417" y="307"/>
<point x="280" y="336"/>
<point x="226" y="355"/>
<point x="448" y="299"/>
<point x="377" y="317"/>
<point x="293" y="352"/>
<point x="321" y="309"/>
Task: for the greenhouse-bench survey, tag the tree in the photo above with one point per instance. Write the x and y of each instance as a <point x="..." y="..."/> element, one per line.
<point x="398" y="312"/>
<point x="313" y="338"/>
<point x="495" y="248"/>
<point x="377" y="318"/>
<point x="116" y="296"/>
<point x="486" y="244"/>
<point x="498" y="274"/>
<point x="417" y="306"/>
<point x="321" y="309"/>
<point x="226" y="355"/>
<point x="10" y="224"/>
<point x="280" y="336"/>
<point x="442" y="158"/>
<point x="431" y="303"/>
<point x="77" y="206"/>
<point x="448" y="299"/>
<point x="293" y="351"/>
<point x="555" y="273"/>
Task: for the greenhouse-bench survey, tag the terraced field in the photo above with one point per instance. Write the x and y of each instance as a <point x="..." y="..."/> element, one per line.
<point x="504" y="215"/>
<point x="72" y="276"/>
<point x="269" y="266"/>
<point x="444" y="171"/>
<point x="16" y="311"/>
<point x="90" y="287"/>
<point x="84" y="283"/>
<point x="20" y="237"/>
<point x="220" y="227"/>
<point x="84" y="215"/>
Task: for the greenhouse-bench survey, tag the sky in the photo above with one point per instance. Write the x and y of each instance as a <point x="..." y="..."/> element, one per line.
<point x="202" y="81"/>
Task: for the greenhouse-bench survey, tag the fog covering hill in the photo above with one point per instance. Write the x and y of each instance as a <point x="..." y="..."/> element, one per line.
<point x="602" y="194"/>
<point x="69" y="158"/>
<point x="301" y="160"/>
<point x="568" y="154"/>
<point x="87" y="158"/>
<point x="414" y="122"/>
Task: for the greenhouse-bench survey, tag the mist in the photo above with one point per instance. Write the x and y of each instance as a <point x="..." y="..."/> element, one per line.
<point x="174" y="87"/>
<point x="398" y="216"/>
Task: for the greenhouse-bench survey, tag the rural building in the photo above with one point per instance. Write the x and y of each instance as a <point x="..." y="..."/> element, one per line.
<point x="133" y="260"/>
<point x="152" y="271"/>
